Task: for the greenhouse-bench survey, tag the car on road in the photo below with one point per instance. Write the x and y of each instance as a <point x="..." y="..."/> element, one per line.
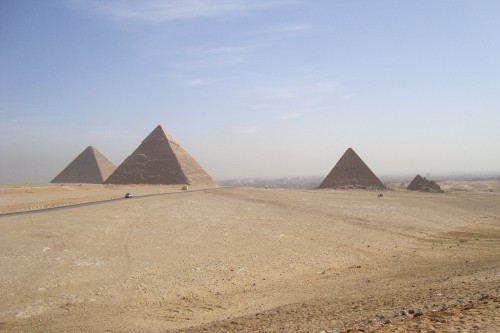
<point x="129" y="195"/>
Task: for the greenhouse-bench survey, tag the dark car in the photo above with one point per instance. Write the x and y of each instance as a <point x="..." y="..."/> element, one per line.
<point x="129" y="195"/>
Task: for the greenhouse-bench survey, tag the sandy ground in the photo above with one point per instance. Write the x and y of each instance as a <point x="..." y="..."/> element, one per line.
<point x="250" y="260"/>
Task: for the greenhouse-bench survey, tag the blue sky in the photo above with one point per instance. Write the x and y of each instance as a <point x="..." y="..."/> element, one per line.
<point x="252" y="88"/>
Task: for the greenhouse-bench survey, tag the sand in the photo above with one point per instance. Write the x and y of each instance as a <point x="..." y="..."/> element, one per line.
<point x="250" y="260"/>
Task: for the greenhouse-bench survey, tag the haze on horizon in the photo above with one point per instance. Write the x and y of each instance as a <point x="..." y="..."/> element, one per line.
<point x="275" y="88"/>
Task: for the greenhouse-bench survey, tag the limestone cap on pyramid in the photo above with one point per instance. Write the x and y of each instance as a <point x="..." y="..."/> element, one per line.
<point x="90" y="166"/>
<point x="351" y="172"/>
<point x="159" y="159"/>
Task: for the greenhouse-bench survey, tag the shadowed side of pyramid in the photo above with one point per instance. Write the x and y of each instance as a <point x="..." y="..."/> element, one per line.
<point x="351" y="172"/>
<point x="159" y="159"/>
<point x="89" y="167"/>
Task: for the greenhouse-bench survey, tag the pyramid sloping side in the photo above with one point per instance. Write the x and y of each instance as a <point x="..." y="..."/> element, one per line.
<point x="89" y="167"/>
<point x="105" y="166"/>
<point x="160" y="160"/>
<point x="351" y="171"/>
<point x="194" y="173"/>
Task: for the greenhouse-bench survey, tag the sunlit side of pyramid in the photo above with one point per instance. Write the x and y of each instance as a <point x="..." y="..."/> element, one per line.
<point x="160" y="160"/>
<point x="89" y="167"/>
<point x="351" y="172"/>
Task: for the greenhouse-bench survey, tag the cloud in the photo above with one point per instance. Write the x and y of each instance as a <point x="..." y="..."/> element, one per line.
<point x="197" y="82"/>
<point x="290" y="115"/>
<point x="157" y="11"/>
<point x="224" y="50"/>
<point x="285" y="29"/>
<point x="349" y="96"/>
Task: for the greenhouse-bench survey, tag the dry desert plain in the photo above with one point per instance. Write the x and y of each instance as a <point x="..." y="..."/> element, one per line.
<point x="250" y="260"/>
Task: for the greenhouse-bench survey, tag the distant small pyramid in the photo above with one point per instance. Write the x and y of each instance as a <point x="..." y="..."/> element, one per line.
<point x="160" y="160"/>
<point x="423" y="184"/>
<point x="89" y="167"/>
<point x="351" y="172"/>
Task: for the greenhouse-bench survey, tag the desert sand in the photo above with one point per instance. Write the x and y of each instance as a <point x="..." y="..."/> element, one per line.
<point x="250" y="260"/>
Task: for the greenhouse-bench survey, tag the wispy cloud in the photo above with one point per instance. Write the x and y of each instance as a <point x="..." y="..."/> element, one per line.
<point x="285" y="29"/>
<point x="224" y="50"/>
<point x="157" y="11"/>
<point x="199" y="82"/>
<point x="348" y="96"/>
<point x="204" y="81"/>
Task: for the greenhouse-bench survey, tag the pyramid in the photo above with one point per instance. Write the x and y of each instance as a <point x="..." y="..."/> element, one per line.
<point x="423" y="184"/>
<point x="351" y="172"/>
<point x="160" y="160"/>
<point x="89" y="167"/>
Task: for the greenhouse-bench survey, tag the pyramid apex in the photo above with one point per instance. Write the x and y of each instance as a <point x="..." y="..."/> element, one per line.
<point x="350" y="150"/>
<point x="91" y="149"/>
<point x="159" y="133"/>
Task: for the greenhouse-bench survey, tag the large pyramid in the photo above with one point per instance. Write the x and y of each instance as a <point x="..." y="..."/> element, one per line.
<point x="89" y="167"/>
<point x="351" y="172"/>
<point x="160" y="160"/>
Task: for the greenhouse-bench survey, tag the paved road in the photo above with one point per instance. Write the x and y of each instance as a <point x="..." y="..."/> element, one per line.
<point x="92" y="203"/>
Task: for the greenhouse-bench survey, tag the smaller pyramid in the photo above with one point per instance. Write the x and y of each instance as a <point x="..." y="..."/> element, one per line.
<point x="423" y="184"/>
<point x="89" y="167"/>
<point x="351" y="172"/>
<point x="159" y="159"/>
